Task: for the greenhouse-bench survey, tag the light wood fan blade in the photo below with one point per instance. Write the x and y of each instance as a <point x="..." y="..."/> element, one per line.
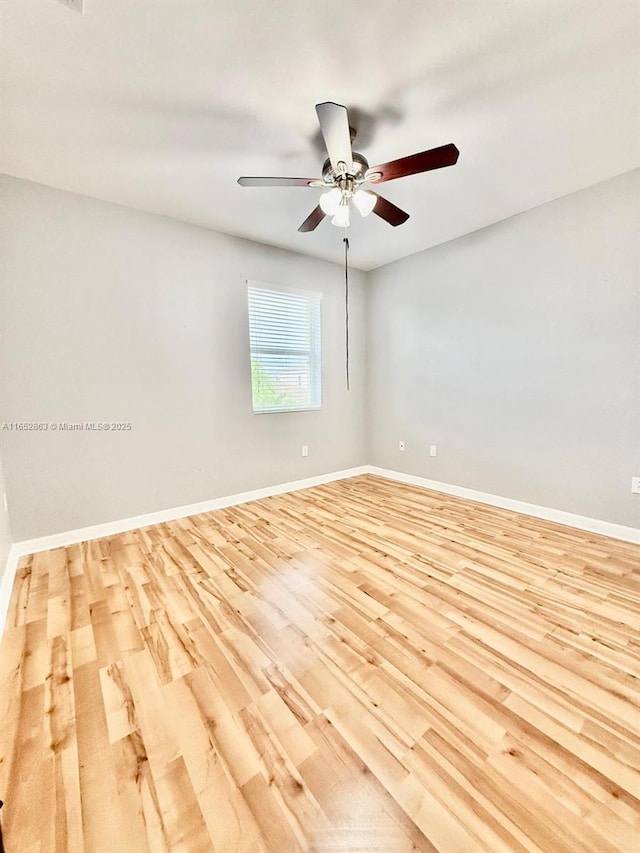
<point x="334" y="124"/>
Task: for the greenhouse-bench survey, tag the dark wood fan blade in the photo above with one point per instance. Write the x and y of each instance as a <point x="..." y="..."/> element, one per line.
<point x="435" y="158"/>
<point x="389" y="212"/>
<point x="279" y="182"/>
<point x="313" y="220"/>
<point x="334" y="124"/>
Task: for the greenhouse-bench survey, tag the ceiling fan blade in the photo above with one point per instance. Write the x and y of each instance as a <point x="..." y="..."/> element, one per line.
<point x="389" y="212"/>
<point x="279" y="182"/>
<point x="313" y="220"/>
<point x="425" y="161"/>
<point x="334" y="124"/>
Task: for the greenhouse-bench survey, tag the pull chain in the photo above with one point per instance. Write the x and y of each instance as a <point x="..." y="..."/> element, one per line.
<point x="346" y="301"/>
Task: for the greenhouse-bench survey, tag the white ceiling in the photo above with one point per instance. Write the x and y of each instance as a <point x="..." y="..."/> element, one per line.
<point x="161" y="105"/>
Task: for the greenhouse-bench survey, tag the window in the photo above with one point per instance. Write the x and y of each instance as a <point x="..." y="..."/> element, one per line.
<point x="284" y="332"/>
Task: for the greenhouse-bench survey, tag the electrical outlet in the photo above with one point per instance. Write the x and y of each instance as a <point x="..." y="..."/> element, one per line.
<point x="78" y="5"/>
<point x="305" y="450"/>
<point x="635" y="485"/>
<point x="433" y="450"/>
<point x="401" y="445"/>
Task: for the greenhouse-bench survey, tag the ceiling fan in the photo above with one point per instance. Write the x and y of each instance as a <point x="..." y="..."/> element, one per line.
<point x="345" y="174"/>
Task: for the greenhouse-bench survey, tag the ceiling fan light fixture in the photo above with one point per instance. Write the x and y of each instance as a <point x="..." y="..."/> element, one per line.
<point x="341" y="217"/>
<point x="330" y="202"/>
<point x="345" y="170"/>
<point x="364" y="201"/>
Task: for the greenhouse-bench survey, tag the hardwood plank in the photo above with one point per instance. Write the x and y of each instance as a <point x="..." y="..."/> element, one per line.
<point x="360" y="666"/>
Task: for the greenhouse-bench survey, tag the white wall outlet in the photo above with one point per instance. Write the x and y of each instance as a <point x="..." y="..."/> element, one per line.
<point x="433" y="450"/>
<point x="635" y="485"/>
<point x="78" y="5"/>
<point x="4" y="502"/>
<point x="401" y="445"/>
<point x="305" y="450"/>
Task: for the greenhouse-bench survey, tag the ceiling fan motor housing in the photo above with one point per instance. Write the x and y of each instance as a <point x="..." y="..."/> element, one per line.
<point x="356" y="174"/>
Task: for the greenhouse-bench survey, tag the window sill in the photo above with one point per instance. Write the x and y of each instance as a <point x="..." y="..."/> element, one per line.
<point x="284" y="411"/>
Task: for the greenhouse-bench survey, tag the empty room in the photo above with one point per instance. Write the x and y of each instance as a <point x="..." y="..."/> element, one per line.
<point x="319" y="426"/>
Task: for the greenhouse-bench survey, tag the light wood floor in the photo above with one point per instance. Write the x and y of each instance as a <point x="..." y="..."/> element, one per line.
<point x="361" y="666"/>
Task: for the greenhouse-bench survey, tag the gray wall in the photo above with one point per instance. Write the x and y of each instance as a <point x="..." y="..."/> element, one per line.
<point x="6" y="540"/>
<point x="113" y="315"/>
<point x="516" y="350"/>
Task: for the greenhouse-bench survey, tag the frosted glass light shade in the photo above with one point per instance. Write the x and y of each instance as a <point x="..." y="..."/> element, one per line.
<point x="330" y="202"/>
<point x="341" y="217"/>
<point x="364" y="201"/>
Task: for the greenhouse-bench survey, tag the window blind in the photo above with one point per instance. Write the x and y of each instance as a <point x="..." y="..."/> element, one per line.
<point x="285" y="340"/>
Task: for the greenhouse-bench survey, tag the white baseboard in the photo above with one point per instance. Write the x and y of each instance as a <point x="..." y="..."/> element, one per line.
<point x="582" y="522"/>
<point x="111" y="528"/>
